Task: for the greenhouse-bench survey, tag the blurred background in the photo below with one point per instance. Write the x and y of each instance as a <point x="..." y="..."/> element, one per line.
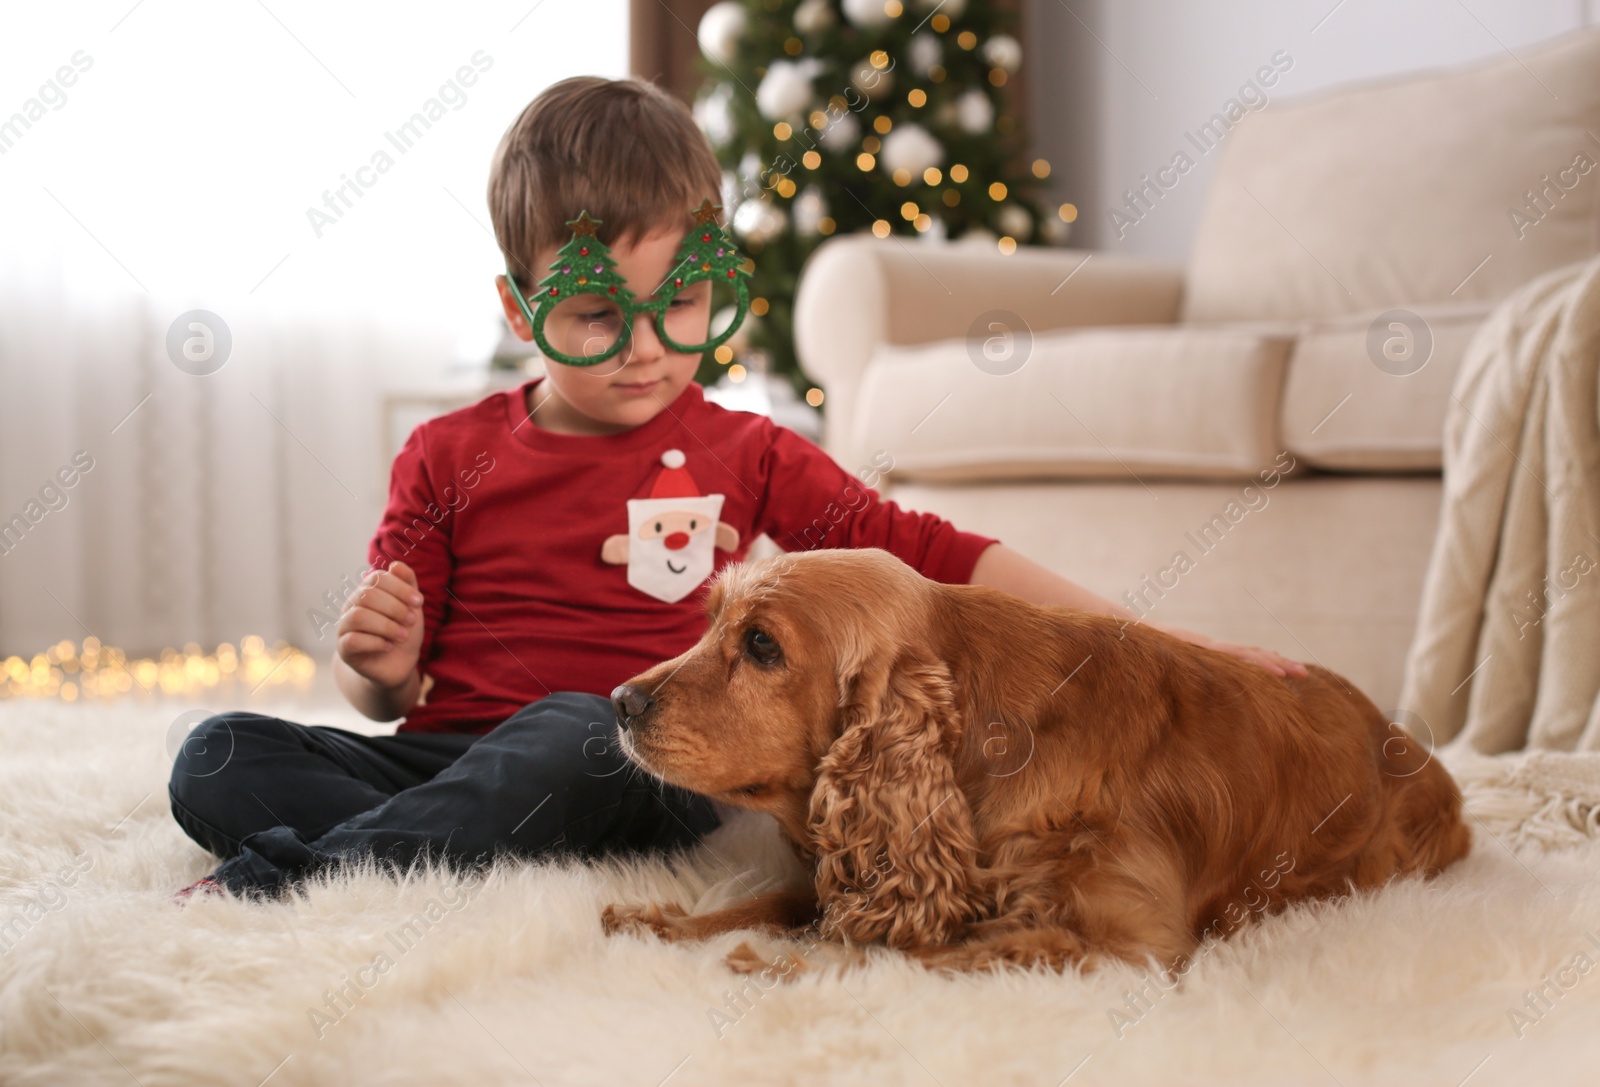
<point x="237" y="268"/>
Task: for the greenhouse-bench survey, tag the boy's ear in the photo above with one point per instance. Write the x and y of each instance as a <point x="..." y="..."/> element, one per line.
<point x="514" y="317"/>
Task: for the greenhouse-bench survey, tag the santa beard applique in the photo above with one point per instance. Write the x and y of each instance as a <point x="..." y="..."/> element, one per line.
<point x="672" y="534"/>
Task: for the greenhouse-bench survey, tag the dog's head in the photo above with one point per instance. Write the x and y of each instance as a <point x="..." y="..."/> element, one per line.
<point x="816" y="695"/>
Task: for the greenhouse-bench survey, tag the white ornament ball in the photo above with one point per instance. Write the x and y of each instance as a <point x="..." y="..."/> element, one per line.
<point x="924" y="52"/>
<point x="721" y="27"/>
<point x="809" y="208"/>
<point x="952" y="8"/>
<point x="977" y="235"/>
<point x="758" y="221"/>
<point x="974" y="112"/>
<point x="786" y="89"/>
<point x="842" y="133"/>
<point x="750" y="167"/>
<point x="910" y="147"/>
<point x="870" y="81"/>
<point x="1004" y="52"/>
<point x="865" y="13"/>
<point x="1054" y="230"/>
<point x="713" y="115"/>
<point x="813" y="16"/>
<point x="1016" y="222"/>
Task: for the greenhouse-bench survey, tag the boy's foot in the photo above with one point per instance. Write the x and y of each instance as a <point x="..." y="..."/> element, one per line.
<point x="199" y="888"/>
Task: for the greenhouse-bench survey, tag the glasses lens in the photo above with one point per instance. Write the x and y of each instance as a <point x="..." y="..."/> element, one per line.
<point x="700" y="312"/>
<point x="584" y="325"/>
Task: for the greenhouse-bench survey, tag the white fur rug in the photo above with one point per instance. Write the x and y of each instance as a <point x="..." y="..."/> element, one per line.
<point x="507" y="978"/>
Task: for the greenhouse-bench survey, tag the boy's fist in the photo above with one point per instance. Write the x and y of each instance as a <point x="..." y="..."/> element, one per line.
<point x="380" y="630"/>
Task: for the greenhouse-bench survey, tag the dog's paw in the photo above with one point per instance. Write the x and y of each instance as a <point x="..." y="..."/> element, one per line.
<point x="786" y="966"/>
<point x="665" y="921"/>
<point x="745" y="959"/>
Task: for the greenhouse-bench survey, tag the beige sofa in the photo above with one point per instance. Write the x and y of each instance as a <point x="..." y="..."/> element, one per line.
<point x="1128" y="424"/>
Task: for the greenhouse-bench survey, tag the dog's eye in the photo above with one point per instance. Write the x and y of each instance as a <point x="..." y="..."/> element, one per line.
<point x="761" y="647"/>
<point x="751" y="790"/>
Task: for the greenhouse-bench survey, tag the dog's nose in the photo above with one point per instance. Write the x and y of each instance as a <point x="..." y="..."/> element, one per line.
<point x="630" y="703"/>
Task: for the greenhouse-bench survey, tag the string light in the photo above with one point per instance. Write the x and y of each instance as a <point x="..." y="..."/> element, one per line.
<point x="94" y="671"/>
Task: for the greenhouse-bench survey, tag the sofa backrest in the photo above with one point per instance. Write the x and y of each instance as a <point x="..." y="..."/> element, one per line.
<point x="1455" y="186"/>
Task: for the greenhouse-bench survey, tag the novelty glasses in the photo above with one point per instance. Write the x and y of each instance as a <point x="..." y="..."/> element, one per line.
<point x="582" y="313"/>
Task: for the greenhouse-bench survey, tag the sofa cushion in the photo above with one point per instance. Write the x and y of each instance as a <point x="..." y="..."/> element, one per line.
<point x="1369" y="393"/>
<point x="1150" y="401"/>
<point x="1458" y="185"/>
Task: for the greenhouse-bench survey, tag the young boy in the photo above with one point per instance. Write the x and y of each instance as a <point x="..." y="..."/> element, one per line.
<point x="544" y="545"/>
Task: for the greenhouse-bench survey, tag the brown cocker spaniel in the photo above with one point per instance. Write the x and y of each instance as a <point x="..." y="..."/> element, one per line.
<point x="977" y="780"/>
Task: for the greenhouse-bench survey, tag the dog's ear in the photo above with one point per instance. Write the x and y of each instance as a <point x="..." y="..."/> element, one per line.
<point x="892" y="833"/>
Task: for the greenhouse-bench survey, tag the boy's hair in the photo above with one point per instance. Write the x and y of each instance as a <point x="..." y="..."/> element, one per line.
<point x="623" y="150"/>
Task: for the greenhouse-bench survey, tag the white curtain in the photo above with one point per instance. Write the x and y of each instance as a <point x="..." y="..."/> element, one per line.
<point x="173" y="166"/>
<point x="214" y="506"/>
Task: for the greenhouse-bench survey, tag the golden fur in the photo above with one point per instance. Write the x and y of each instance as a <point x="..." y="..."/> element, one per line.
<point x="978" y="780"/>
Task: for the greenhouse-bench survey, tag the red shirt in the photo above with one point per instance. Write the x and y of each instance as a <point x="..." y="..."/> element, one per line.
<point x="504" y="523"/>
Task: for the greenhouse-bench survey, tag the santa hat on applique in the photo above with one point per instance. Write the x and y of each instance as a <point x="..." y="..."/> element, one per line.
<point x="674" y="480"/>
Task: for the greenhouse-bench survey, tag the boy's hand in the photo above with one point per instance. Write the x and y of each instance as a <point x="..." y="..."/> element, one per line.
<point x="380" y="630"/>
<point x="1272" y="661"/>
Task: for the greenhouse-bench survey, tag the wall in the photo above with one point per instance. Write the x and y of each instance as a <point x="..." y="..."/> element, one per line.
<point x="1116" y="84"/>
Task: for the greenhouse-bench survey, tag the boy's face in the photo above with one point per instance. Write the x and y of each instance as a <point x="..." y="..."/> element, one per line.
<point x="638" y="382"/>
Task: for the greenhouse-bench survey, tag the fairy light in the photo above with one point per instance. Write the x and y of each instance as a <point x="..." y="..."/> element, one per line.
<point x="94" y="671"/>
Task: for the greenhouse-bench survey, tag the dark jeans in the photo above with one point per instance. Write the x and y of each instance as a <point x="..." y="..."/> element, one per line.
<point x="280" y="800"/>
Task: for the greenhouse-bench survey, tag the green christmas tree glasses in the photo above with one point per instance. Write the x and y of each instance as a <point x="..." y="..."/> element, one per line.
<point x="582" y="313"/>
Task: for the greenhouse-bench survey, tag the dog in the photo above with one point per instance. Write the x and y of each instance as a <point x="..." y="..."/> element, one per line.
<point x="977" y="781"/>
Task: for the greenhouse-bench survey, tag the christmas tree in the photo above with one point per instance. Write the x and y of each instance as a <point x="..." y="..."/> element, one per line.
<point x="583" y="264"/>
<point x="708" y="250"/>
<point x="837" y="116"/>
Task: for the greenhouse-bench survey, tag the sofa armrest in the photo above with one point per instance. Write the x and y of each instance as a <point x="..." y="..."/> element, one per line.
<point x="859" y="292"/>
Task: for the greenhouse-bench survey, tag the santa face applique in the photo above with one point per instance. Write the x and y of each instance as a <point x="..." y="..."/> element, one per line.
<point x="672" y="534"/>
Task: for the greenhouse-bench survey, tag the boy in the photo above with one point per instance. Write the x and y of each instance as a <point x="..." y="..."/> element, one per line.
<point x="543" y="545"/>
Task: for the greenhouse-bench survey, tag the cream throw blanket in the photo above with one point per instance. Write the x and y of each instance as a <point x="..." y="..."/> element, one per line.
<point x="1506" y="658"/>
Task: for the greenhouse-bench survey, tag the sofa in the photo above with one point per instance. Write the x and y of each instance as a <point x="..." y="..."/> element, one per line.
<point x="1249" y="445"/>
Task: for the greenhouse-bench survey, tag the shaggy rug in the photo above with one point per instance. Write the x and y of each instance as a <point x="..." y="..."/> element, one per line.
<point x="1480" y="977"/>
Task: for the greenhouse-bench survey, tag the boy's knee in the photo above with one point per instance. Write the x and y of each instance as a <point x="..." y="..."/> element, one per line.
<point x="573" y="729"/>
<point x="208" y="750"/>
